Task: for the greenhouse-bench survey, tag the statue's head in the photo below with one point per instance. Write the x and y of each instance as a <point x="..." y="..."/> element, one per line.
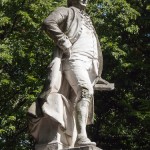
<point x="77" y="3"/>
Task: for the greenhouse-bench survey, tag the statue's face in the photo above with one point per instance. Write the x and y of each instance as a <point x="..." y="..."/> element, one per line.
<point x="83" y="2"/>
<point x="79" y="3"/>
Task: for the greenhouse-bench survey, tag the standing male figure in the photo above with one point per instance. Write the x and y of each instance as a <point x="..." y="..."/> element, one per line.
<point x="73" y="32"/>
<point x="81" y="61"/>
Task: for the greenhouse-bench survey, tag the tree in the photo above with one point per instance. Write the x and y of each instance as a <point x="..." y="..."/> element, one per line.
<point x="122" y="116"/>
<point x="25" y="52"/>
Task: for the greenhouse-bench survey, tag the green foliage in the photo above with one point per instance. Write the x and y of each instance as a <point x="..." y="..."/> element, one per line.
<point x="122" y="116"/>
<point x="25" y="52"/>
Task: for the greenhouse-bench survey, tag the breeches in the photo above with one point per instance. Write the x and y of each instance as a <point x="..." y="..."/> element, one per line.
<point x="81" y="75"/>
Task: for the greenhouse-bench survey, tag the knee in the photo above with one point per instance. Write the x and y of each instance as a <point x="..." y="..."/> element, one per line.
<point x="86" y="93"/>
<point x="84" y="100"/>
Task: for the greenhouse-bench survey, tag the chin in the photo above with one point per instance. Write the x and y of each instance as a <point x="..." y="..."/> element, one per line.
<point x="84" y="5"/>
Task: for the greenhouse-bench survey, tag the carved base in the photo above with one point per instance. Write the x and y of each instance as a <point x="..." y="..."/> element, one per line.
<point x="84" y="148"/>
<point x="60" y="146"/>
<point x="50" y="146"/>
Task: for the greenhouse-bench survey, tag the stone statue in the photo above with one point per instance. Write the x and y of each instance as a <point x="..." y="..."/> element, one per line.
<point x="66" y="105"/>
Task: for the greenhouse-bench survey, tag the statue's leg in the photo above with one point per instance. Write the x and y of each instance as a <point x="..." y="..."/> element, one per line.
<point x="81" y="81"/>
<point x="82" y="110"/>
<point x="81" y="116"/>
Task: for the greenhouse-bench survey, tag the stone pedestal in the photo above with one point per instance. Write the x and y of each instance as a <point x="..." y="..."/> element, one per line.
<point x="84" y="148"/>
<point x="59" y="146"/>
<point x="50" y="146"/>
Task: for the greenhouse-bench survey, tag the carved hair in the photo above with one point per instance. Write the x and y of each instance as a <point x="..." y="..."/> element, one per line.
<point x="75" y="2"/>
<point x="69" y="3"/>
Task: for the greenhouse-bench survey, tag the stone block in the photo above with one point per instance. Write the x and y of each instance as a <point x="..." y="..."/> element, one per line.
<point x="83" y="148"/>
<point x="104" y="87"/>
<point x="50" y="146"/>
<point x="60" y="146"/>
<point x="88" y="147"/>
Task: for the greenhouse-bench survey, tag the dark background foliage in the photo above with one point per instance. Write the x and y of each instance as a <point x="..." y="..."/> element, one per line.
<point x="122" y="116"/>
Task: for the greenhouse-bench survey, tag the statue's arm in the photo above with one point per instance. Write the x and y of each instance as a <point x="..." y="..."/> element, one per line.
<point x="52" y="26"/>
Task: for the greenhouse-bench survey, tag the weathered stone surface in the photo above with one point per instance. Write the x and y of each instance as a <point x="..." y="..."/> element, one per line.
<point x="66" y="104"/>
<point x="59" y="146"/>
<point x="50" y="146"/>
<point x="84" y="148"/>
<point x="104" y="87"/>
